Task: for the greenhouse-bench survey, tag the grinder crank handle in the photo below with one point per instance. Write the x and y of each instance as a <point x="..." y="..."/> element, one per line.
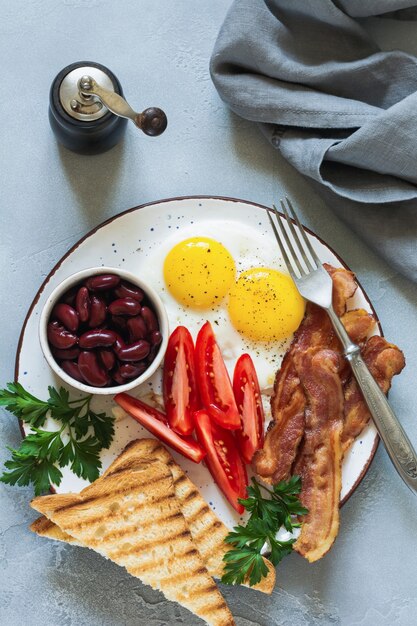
<point x="151" y="121"/>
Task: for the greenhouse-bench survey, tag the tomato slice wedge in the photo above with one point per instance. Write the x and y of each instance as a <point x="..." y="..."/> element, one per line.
<point x="213" y="380"/>
<point x="155" y="421"/>
<point x="179" y="382"/>
<point x="223" y="458"/>
<point x="249" y="402"/>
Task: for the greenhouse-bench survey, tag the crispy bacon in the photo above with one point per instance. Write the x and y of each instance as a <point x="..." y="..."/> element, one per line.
<point x="384" y="360"/>
<point x="318" y="410"/>
<point x="319" y="462"/>
<point x="358" y="324"/>
<point x="273" y="463"/>
<point x="344" y="286"/>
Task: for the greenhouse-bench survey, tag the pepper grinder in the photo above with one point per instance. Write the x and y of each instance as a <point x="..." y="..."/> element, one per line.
<point x="88" y="113"/>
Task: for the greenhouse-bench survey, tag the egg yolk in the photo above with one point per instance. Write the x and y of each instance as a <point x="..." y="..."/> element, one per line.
<point x="264" y="305"/>
<point x="199" y="272"/>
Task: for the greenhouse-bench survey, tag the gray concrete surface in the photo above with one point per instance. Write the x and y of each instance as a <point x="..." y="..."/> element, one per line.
<point x="51" y="197"/>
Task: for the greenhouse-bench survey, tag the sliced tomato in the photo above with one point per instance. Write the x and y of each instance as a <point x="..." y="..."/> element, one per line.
<point x="223" y="458"/>
<point x="213" y="380"/>
<point x="249" y="403"/>
<point x="155" y="421"/>
<point x="179" y="382"/>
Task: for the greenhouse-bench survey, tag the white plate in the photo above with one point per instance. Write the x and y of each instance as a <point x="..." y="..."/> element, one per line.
<point x="127" y="241"/>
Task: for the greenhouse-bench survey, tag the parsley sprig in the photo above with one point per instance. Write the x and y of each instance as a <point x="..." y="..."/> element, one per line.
<point x="81" y="435"/>
<point x="244" y="562"/>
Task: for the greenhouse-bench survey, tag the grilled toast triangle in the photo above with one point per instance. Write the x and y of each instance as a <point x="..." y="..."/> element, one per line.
<point x="134" y="518"/>
<point x="207" y="531"/>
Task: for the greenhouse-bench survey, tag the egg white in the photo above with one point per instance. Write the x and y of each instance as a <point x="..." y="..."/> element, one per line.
<point x="248" y="249"/>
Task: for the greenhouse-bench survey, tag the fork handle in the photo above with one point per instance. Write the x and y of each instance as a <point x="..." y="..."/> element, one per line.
<point x="397" y="444"/>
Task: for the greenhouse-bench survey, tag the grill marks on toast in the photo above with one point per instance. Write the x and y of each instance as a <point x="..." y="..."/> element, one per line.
<point x="118" y="517"/>
<point x="152" y="564"/>
<point x="207" y="531"/>
<point x="45" y="528"/>
<point x="150" y="522"/>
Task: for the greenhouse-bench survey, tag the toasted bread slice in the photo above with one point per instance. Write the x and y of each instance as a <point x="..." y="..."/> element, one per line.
<point x="207" y="531"/>
<point x="45" y="528"/>
<point x="134" y="518"/>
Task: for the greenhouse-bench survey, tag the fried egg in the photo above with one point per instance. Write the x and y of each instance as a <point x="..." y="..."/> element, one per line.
<point x="199" y="272"/>
<point x="242" y="272"/>
<point x="265" y="305"/>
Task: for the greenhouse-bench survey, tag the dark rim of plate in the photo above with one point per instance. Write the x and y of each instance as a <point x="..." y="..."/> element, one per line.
<point x="179" y="199"/>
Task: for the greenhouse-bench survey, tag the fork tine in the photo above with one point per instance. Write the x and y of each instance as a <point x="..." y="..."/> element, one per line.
<point x="303" y="233"/>
<point x="281" y="247"/>
<point x="296" y="237"/>
<point x="287" y="240"/>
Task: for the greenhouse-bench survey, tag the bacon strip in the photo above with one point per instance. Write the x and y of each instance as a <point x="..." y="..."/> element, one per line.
<point x="318" y="411"/>
<point x="358" y="324"/>
<point x="319" y="462"/>
<point x="344" y="286"/>
<point x="273" y="463"/>
<point x="384" y="360"/>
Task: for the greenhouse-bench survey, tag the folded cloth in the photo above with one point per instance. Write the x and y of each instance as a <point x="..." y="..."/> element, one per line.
<point x="339" y="110"/>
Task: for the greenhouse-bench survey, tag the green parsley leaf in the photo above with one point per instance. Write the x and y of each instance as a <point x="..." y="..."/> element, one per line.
<point x="244" y="561"/>
<point x="29" y="469"/>
<point x="243" y="564"/>
<point x="23" y="405"/>
<point x="103" y="427"/>
<point x="279" y="549"/>
<point x="58" y="402"/>
<point x="41" y="452"/>
<point x="42" y="444"/>
<point x="101" y="424"/>
<point x="85" y="459"/>
<point x="66" y="454"/>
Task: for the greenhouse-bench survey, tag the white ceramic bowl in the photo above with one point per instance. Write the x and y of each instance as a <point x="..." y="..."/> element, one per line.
<point x="73" y="280"/>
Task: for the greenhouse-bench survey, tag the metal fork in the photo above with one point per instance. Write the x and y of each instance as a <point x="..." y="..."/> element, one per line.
<point x="315" y="284"/>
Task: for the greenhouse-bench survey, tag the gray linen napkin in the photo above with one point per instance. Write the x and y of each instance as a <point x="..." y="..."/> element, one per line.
<point x="339" y="110"/>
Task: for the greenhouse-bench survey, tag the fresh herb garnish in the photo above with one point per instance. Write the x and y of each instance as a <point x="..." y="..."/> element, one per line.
<point x="244" y="562"/>
<point x="77" y="443"/>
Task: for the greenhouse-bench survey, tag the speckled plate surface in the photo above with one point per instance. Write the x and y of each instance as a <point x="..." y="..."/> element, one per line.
<point x="129" y="241"/>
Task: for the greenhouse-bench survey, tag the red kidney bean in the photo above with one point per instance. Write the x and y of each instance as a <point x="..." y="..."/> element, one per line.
<point x="94" y="373"/>
<point x="134" y="351"/>
<point x="111" y="309"/>
<point x="65" y="314"/>
<point x="119" y="322"/>
<point x="83" y="304"/>
<point x="152" y="354"/>
<point x="102" y="282"/>
<point x="117" y="377"/>
<point x="72" y="369"/>
<point x="156" y="338"/>
<point x="97" y="312"/>
<point x="137" y="328"/>
<point x="97" y="338"/>
<point x="69" y="296"/>
<point x="107" y="357"/>
<point x="124" y="306"/>
<point x="59" y="337"/>
<point x="118" y="344"/>
<point x="66" y="355"/>
<point x="127" y="290"/>
<point x="132" y="370"/>
<point x="150" y="319"/>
